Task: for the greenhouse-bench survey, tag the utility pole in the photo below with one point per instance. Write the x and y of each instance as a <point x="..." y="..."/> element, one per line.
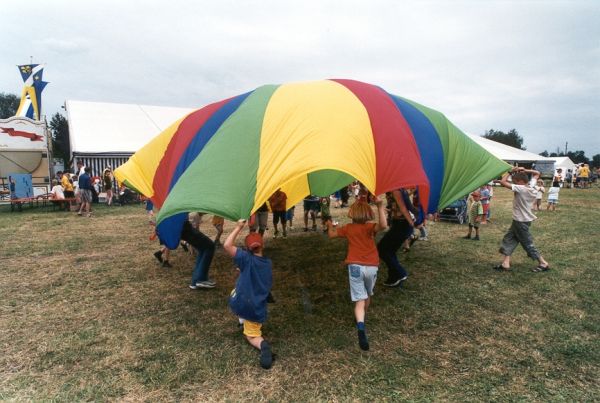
<point x="566" y="144"/>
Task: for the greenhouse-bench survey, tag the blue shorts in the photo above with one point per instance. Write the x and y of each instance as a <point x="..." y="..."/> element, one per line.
<point x="313" y="205"/>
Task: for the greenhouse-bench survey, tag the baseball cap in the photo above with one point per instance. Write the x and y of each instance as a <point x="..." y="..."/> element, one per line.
<point x="254" y="241"/>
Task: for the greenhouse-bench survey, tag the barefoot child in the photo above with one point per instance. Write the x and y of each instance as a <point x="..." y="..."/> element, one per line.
<point x="362" y="258"/>
<point x="249" y="298"/>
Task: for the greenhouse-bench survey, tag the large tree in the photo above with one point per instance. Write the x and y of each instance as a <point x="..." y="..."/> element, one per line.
<point x="60" y="137"/>
<point x="578" y="156"/>
<point x="596" y="161"/>
<point x="9" y="103"/>
<point x="511" y="138"/>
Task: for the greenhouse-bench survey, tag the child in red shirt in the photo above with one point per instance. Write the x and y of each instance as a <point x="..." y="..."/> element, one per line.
<point x="278" y="203"/>
<point x="362" y="258"/>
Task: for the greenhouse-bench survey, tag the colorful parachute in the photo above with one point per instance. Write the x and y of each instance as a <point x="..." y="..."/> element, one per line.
<point x="305" y="138"/>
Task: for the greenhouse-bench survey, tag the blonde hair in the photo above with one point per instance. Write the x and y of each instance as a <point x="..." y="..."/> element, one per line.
<point x="360" y="212"/>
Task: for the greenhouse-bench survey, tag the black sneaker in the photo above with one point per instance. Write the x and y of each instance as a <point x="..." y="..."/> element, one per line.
<point x="166" y="264"/>
<point x="392" y="282"/>
<point x="476" y="238"/>
<point x="158" y="256"/>
<point x="184" y="246"/>
<point x="266" y="356"/>
<point x="363" y="342"/>
<point x="395" y="282"/>
<point x="467" y="237"/>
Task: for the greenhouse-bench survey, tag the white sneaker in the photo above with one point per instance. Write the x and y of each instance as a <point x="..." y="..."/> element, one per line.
<point x="205" y="284"/>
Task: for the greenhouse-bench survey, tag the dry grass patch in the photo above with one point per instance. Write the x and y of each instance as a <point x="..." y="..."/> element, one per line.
<point x="87" y="314"/>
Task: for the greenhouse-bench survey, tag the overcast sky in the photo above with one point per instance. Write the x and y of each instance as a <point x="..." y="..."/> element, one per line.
<point x="532" y="66"/>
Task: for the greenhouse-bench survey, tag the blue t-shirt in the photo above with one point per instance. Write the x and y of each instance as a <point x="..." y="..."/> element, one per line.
<point x="85" y="182"/>
<point x="249" y="299"/>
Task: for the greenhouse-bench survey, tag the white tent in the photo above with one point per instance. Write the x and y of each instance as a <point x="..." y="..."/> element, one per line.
<point x="99" y="127"/>
<point x="515" y="155"/>
<point x="107" y="134"/>
<point x="508" y="153"/>
<point x="565" y="163"/>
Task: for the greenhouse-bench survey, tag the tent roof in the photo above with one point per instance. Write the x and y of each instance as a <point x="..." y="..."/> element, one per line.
<point x="508" y="153"/>
<point x="100" y="127"/>
<point x="564" y="162"/>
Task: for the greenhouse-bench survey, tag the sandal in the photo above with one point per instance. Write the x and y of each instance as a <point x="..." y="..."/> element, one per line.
<point x="540" y="268"/>
<point x="501" y="268"/>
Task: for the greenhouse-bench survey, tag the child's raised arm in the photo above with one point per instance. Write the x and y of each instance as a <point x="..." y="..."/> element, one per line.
<point x="504" y="181"/>
<point x="331" y="229"/>
<point x="229" y="244"/>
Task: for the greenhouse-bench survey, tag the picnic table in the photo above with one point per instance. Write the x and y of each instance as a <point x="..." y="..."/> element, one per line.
<point x="16" y="204"/>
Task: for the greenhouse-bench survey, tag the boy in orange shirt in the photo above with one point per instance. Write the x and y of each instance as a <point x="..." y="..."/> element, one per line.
<point x="362" y="258"/>
<point x="278" y="202"/>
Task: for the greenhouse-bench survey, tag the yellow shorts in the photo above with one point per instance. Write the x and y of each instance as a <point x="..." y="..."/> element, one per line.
<point x="252" y="329"/>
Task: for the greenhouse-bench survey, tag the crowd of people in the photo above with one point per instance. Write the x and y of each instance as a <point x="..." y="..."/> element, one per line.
<point x="581" y="177"/>
<point x="80" y="189"/>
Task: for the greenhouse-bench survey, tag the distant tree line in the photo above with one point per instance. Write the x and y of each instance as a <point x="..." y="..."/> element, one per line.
<point x="575" y="156"/>
<point x="513" y="139"/>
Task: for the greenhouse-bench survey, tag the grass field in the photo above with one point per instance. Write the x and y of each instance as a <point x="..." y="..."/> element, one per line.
<point x="87" y="314"/>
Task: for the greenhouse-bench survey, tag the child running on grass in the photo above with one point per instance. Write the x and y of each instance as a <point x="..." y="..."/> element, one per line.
<point x="524" y="196"/>
<point x="362" y="258"/>
<point x="248" y="299"/>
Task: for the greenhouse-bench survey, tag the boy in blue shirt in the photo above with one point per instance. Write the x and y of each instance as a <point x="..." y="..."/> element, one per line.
<point x="248" y="300"/>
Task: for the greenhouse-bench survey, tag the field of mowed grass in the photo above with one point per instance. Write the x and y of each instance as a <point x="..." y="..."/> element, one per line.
<point x="87" y="314"/>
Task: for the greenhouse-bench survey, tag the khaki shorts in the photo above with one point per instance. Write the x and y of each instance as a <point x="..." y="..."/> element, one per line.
<point x="86" y="195"/>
